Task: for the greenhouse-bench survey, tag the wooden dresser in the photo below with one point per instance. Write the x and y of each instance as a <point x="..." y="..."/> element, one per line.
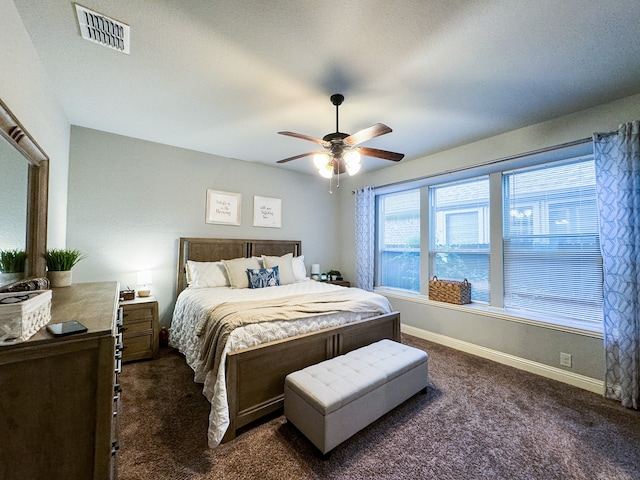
<point x="59" y="397"/>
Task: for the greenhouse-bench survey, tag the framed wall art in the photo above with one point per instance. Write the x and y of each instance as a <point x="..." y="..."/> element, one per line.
<point x="223" y="208"/>
<point x="267" y="212"/>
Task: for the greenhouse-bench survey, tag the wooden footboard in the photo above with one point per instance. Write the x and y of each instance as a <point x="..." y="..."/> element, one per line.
<point x="255" y="375"/>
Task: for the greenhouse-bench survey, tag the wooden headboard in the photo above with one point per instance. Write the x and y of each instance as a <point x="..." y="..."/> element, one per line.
<point x="216" y="249"/>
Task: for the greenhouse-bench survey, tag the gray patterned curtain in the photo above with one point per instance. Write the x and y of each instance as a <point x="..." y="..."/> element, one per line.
<point x="365" y="237"/>
<point x="617" y="162"/>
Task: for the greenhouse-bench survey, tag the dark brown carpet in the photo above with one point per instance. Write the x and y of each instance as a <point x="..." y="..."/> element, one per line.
<point x="478" y="420"/>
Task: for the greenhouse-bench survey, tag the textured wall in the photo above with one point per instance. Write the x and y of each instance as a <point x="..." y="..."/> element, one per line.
<point x="131" y="200"/>
<point x="25" y="89"/>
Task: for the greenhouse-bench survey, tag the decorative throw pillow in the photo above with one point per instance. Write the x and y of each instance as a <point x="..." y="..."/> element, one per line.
<point x="206" y="274"/>
<point x="299" y="269"/>
<point x="284" y="264"/>
<point x="237" y="270"/>
<point x="263" y="277"/>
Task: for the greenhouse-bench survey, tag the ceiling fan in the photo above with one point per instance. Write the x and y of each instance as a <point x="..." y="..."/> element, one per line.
<point x="342" y="151"/>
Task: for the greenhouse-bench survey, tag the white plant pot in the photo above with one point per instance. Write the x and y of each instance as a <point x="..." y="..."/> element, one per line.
<point x="59" y="278"/>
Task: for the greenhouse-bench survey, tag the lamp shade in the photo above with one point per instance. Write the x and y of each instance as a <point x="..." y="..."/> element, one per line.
<point x="144" y="278"/>
<point x="352" y="157"/>
<point x="353" y="169"/>
<point x="326" y="171"/>
<point x="315" y="268"/>
<point x="320" y="160"/>
<point x="352" y="162"/>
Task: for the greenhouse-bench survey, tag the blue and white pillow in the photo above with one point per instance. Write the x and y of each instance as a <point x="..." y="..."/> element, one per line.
<point x="263" y="277"/>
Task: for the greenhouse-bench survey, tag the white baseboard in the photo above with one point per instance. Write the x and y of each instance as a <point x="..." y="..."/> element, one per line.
<point x="581" y="381"/>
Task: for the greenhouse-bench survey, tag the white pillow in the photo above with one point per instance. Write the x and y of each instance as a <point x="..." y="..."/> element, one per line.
<point x="299" y="269"/>
<point x="237" y="270"/>
<point x="285" y="267"/>
<point x="206" y="274"/>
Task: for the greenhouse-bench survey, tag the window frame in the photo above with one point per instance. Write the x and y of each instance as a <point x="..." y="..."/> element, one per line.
<point x="553" y="155"/>
<point x="379" y="234"/>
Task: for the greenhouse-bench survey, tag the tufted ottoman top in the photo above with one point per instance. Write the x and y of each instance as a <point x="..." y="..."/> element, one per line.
<point x="329" y="385"/>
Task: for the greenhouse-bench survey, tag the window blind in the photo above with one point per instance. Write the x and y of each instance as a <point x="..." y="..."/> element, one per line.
<point x="552" y="260"/>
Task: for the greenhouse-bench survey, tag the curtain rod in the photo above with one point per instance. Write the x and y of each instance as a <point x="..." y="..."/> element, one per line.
<point x="492" y="162"/>
<point x="601" y="135"/>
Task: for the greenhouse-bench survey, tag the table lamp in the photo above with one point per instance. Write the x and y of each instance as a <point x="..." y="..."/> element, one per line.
<point x="144" y="279"/>
<point x="315" y="271"/>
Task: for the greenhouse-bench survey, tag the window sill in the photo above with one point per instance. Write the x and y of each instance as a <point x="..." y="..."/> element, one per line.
<point x="587" y="329"/>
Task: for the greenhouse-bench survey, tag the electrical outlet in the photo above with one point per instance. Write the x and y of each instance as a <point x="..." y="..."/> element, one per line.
<point x="565" y="359"/>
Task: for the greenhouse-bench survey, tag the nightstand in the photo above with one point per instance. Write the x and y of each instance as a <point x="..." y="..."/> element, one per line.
<point x="140" y="328"/>
<point x="342" y="283"/>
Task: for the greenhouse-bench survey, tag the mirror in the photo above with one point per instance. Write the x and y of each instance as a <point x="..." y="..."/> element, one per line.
<point x="23" y="199"/>
<point x="13" y="213"/>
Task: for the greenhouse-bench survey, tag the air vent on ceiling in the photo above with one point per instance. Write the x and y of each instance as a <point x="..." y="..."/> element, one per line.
<point x="106" y="31"/>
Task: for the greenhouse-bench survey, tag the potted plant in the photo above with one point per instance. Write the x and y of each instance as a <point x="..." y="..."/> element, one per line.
<point x="59" y="264"/>
<point x="12" y="264"/>
<point x="334" y="275"/>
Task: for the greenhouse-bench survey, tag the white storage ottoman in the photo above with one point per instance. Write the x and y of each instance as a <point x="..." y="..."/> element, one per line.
<point x="332" y="400"/>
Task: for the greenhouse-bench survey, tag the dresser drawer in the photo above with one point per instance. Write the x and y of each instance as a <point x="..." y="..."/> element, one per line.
<point x="138" y="347"/>
<point x="138" y="312"/>
<point x="144" y="325"/>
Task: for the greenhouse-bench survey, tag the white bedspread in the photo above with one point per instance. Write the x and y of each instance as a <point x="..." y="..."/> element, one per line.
<point x="193" y="306"/>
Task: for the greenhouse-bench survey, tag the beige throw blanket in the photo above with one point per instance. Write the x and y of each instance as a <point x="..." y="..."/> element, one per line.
<point x="224" y="318"/>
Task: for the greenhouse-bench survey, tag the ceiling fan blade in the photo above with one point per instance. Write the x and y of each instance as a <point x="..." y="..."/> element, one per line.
<point x="384" y="154"/>
<point x="285" y="160"/>
<point x="305" y="137"/>
<point x="367" y="134"/>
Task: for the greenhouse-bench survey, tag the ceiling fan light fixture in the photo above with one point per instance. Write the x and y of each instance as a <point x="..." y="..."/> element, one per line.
<point x="352" y="162"/>
<point x="353" y="169"/>
<point x="321" y="160"/>
<point x="352" y="158"/>
<point x="326" y="171"/>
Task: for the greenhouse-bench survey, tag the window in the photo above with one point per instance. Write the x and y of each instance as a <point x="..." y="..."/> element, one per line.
<point x="398" y="228"/>
<point x="459" y="240"/>
<point x="547" y="265"/>
<point x="552" y="261"/>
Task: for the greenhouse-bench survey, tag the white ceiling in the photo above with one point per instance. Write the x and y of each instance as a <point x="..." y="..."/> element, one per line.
<point x="224" y="76"/>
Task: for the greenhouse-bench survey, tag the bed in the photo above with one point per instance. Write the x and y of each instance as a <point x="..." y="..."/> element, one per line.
<point x="244" y="381"/>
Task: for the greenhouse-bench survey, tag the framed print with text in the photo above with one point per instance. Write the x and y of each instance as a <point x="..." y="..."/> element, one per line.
<point x="267" y="212"/>
<point x="223" y="208"/>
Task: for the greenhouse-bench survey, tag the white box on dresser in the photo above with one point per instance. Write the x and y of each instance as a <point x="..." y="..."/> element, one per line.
<point x="22" y="314"/>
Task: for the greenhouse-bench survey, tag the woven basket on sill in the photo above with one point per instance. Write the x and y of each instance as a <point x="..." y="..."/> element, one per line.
<point x="450" y="291"/>
<point x="26" y="313"/>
